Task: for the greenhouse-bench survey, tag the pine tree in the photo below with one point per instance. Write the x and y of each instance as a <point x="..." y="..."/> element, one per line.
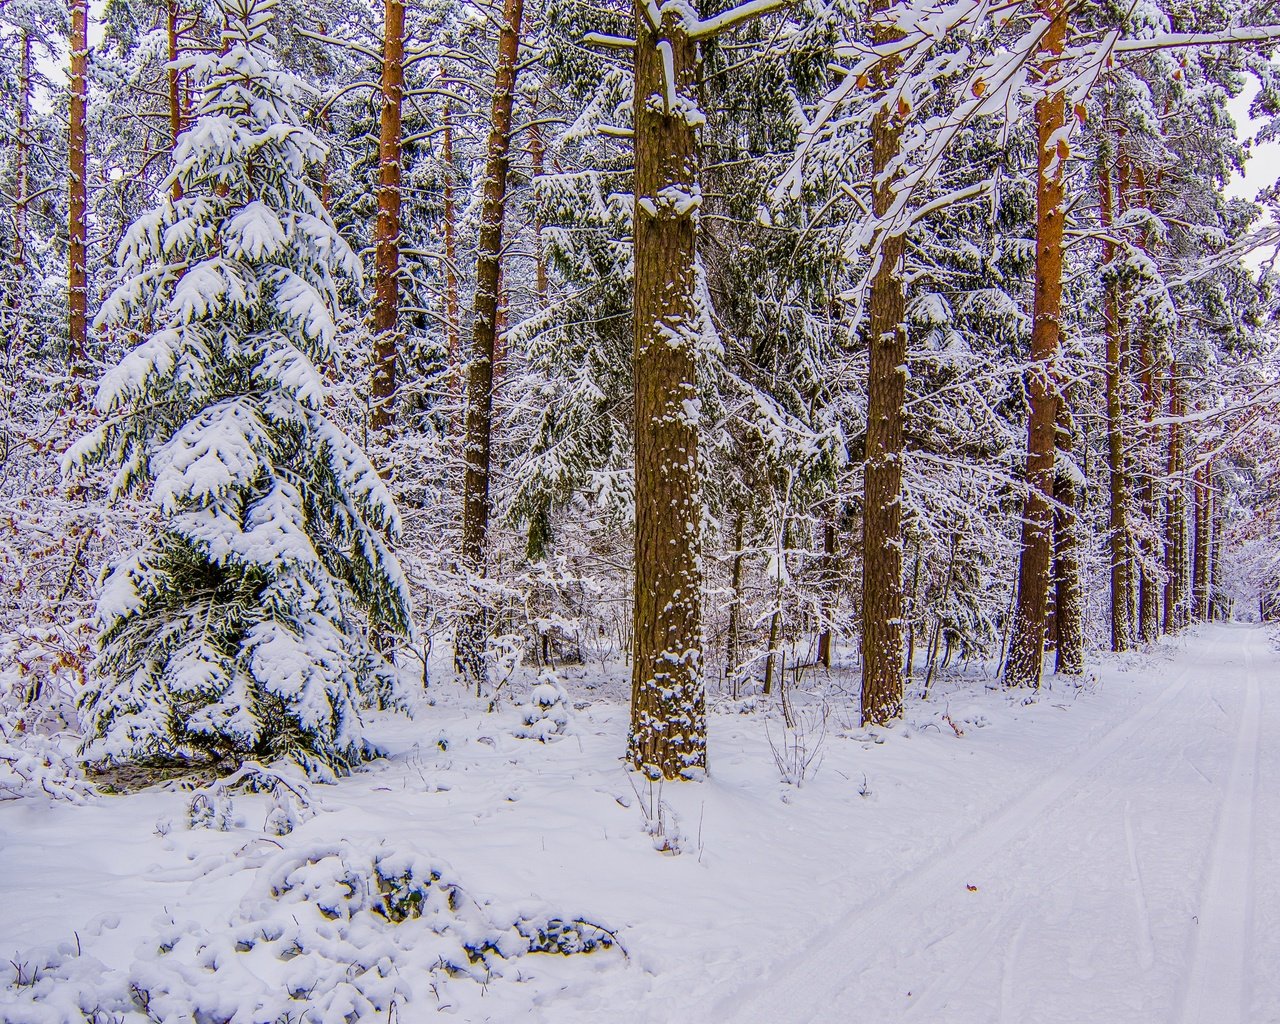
<point x="882" y="632"/>
<point x="473" y="625"/>
<point x="1026" y="645"/>
<point x="386" y="301"/>
<point x="78" y="184"/>
<point x="238" y="629"/>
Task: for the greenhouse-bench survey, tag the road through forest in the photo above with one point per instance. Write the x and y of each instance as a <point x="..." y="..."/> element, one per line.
<point x="1136" y="882"/>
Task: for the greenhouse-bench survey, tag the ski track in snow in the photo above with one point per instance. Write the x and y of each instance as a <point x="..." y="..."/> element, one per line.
<point x="951" y="939"/>
<point x="1217" y="983"/>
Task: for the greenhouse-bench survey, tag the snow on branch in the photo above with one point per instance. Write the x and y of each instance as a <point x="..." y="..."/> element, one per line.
<point x="734" y="17"/>
<point x="1241" y="34"/>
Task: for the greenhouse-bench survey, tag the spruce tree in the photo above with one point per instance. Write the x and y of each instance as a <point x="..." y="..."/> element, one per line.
<point x="239" y="629"/>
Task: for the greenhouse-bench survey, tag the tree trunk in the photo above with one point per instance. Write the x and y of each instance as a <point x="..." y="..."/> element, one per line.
<point x="173" y="13"/>
<point x="771" y="654"/>
<point x="1118" y="526"/>
<point x="668" y="702"/>
<point x="1217" y="610"/>
<point x="733" y="638"/>
<point x="452" y="332"/>
<point x="1068" y="589"/>
<point x="473" y="624"/>
<point x="886" y="392"/>
<point x="22" y="196"/>
<point x="78" y="204"/>
<point x="386" y="235"/>
<point x="1026" y="645"/>
<point x="829" y="566"/>
<point x="1200" y="559"/>
<point x="1150" y="589"/>
<point x="536" y="152"/>
<point x="1175" y="594"/>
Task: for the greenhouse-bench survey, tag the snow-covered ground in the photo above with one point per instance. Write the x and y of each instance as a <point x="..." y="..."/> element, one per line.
<point x="1105" y="853"/>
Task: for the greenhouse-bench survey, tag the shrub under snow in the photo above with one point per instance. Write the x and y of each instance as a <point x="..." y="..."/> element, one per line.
<point x="328" y="934"/>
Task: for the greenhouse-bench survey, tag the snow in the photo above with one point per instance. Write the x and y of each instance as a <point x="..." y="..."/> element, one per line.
<point x="1096" y="854"/>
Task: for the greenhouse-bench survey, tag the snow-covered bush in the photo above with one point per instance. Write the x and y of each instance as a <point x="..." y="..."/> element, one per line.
<point x="292" y="801"/>
<point x="337" y="932"/>
<point x="546" y="716"/>
<point x="240" y="628"/>
<point x="36" y="766"/>
<point x="35" y="742"/>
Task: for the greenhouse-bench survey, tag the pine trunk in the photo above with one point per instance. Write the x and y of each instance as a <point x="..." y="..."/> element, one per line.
<point x="1026" y="644"/>
<point x="882" y="634"/>
<point x="536" y="151"/>
<point x="452" y="333"/>
<point x="1068" y="588"/>
<point x="22" y="196"/>
<point x="1118" y="526"/>
<point x="386" y="235"/>
<point x="829" y="584"/>
<point x="1217" y="610"/>
<point x="733" y="638"/>
<point x="1200" y="559"/>
<point x="668" y="702"/>
<point x="78" y="204"/>
<point x="173" y="13"/>
<point x="473" y="625"/>
<point x="1151" y="589"/>
<point x="1175" y="594"/>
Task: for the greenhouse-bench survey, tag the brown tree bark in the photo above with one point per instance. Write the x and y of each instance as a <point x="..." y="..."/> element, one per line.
<point x="1150" y="588"/>
<point x="537" y="150"/>
<point x="1175" y="595"/>
<point x="1068" y="588"/>
<point x="173" y="14"/>
<point x="452" y="333"/>
<point x="882" y="633"/>
<point x="668" y="735"/>
<point x="733" y="636"/>
<point x="386" y="235"/>
<point x="829" y="585"/>
<point x="473" y="624"/>
<point x="22" y="195"/>
<point x="78" y="203"/>
<point x="1128" y="360"/>
<point x="1118" y="525"/>
<point x="1218" y="610"/>
<point x="1203" y="546"/>
<point x="1026" y="645"/>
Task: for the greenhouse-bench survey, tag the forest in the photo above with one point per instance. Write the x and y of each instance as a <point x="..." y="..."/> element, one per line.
<point x="792" y="364"/>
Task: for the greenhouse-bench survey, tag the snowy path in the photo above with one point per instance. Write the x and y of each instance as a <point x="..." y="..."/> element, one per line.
<point x="1119" y="887"/>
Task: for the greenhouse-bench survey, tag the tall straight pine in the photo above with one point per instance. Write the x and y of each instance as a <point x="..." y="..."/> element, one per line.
<point x="668" y="709"/>
<point x="886" y="393"/>
<point x="1026" y="646"/>
<point x="473" y="624"/>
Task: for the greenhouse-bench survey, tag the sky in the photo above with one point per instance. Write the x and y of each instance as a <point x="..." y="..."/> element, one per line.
<point x="1263" y="168"/>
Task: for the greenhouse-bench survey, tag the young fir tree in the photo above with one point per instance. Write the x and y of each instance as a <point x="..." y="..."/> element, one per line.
<point x="239" y="629"/>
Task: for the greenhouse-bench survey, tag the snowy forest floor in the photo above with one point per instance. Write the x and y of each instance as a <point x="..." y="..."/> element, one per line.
<point x="1104" y="853"/>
